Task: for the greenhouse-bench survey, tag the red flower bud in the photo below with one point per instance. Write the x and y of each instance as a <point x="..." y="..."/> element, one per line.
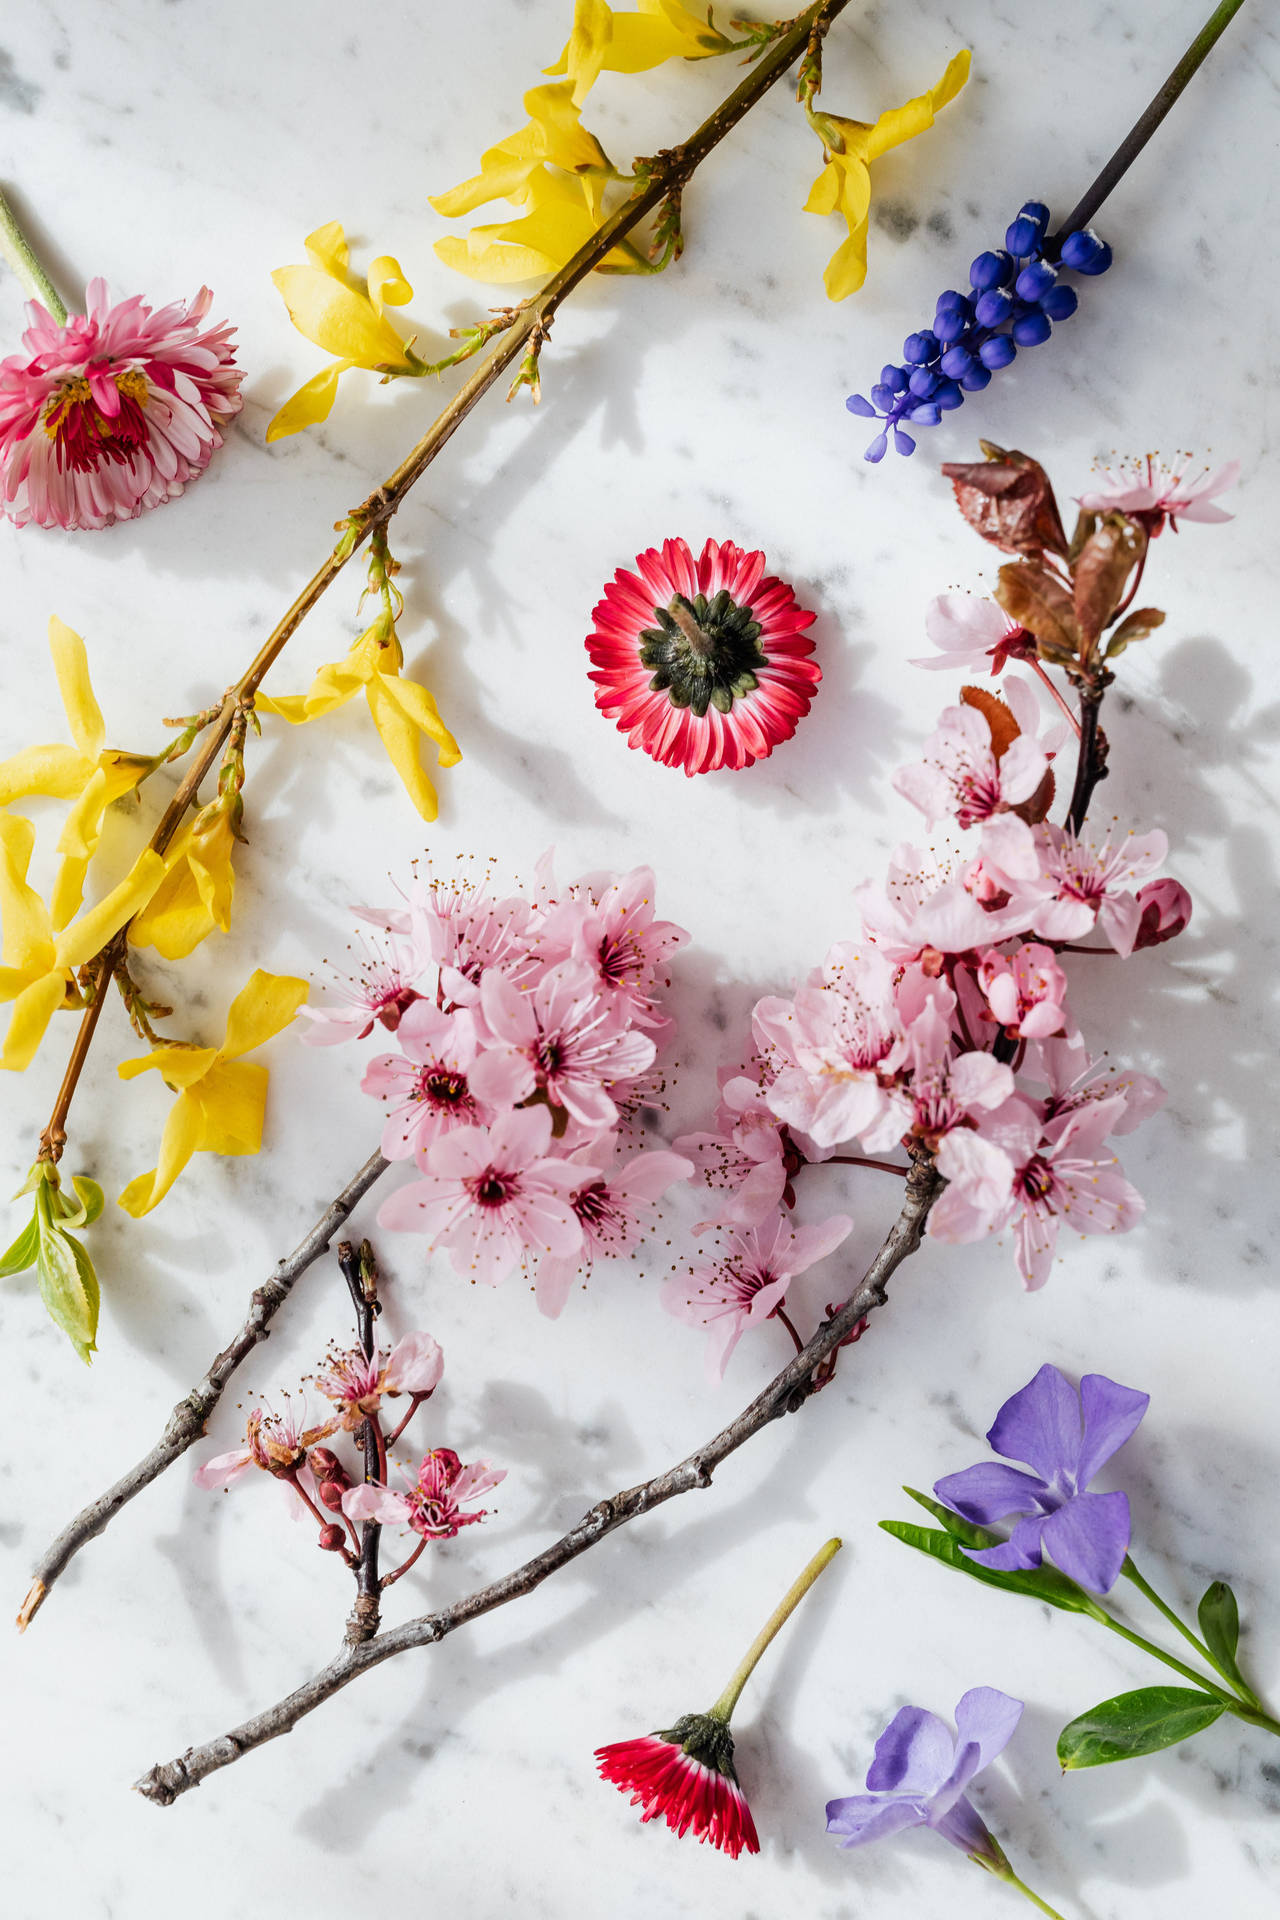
<point x="331" y="1492"/>
<point x="326" y="1464"/>
<point x="332" y="1538"/>
<point x="1166" y="909"/>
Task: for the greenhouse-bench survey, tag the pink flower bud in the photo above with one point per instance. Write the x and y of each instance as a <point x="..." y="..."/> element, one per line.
<point x="327" y="1466"/>
<point x="1166" y="909"/>
<point x="331" y="1492"/>
<point x="332" y="1538"/>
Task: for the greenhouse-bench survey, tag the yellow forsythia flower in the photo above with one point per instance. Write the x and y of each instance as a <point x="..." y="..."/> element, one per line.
<point x="401" y="709"/>
<point x="36" y="966"/>
<point x="844" y="185"/>
<point x="329" y="305"/>
<point x="194" y="896"/>
<point x="603" y="40"/>
<point x="87" y="773"/>
<point x="221" y="1100"/>
<point x="562" y="214"/>
<point x="554" y="134"/>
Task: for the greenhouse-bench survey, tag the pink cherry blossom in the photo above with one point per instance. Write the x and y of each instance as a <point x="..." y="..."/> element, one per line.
<point x="746" y="1157"/>
<point x="611" y="929"/>
<point x="1076" y="1082"/>
<point x="1154" y="493"/>
<point x="379" y="994"/>
<point x="356" y="1384"/>
<point x="1079" y="879"/>
<point x="275" y="1443"/>
<point x="613" y="1209"/>
<point x="1026" y="991"/>
<point x="962" y="772"/>
<point x="432" y="1505"/>
<point x="748" y="1282"/>
<point x="945" y="1088"/>
<point x="426" y="1085"/>
<point x="557" y="1035"/>
<point x="974" y="635"/>
<point x="839" y="1035"/>
<point x="1165" y="908"/>
<point x="924" y="904"/>
<point x="1014" y="1173"/>
<point x="491" y="1195"/>
<point x="466" y="931"/>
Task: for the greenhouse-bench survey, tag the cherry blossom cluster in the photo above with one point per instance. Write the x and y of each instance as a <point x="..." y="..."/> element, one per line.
<point x="434" y="1499"/>
<point x="526" y="1032"/>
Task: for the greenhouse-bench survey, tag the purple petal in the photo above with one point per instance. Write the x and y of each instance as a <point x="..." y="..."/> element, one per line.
<point x="990" y="1492"/>
<point x="1089" y="1538"/>
<point x="914" y="1754"/>
<point x="1019" y="1552"/>
<point x="964" y="1827"/>
<point x="856" y="403"/>
<point x="1111" y="1414"/>
<point x="987" y="1718"/>
<point x="1041" y="1425"/>
<point x="863" y="1817"/>
<point x="876" y="451"/>
<point x="903" y="442"/>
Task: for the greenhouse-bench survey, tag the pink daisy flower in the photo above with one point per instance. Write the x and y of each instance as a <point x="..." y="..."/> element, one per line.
<point x="432" y="1504"/>
<point x="113" y="412"/>
<point x="686" y="1777"/>
<point x="705" y="663"/>
<point x="491" y="1195"/>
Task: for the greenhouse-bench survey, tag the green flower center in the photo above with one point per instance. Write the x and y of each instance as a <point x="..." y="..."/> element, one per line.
<point x="704" y="653"/>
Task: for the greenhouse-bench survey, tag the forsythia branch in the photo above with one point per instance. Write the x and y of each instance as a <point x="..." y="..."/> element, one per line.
<point x="786" y="1393"/>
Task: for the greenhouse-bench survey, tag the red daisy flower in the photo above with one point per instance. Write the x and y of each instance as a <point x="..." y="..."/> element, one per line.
<point x="702" y="663"/>
<point x="685" y="1775"/>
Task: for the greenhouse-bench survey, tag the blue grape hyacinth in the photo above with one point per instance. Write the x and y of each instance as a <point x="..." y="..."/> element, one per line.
<point x="1015" y="295"/>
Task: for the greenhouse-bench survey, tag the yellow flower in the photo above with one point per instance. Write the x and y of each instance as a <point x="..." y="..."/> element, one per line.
<point x="604" y="40"/>
<point x="554" y="134"/>
<point x="401" y="709"/>
<point x="86" y="773"/>
<point x="194" y="896"/>
<point x="844" y="185"/>
<point x="562" y="215"/>
<point x="220" y="1100"/>
<point x="36" y="966"/>
<point x="329" y="306"/>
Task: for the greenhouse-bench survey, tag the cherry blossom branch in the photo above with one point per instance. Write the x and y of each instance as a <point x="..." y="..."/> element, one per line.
<point x="187" y="1422"/>
<point x="1091" y="765"/>
<point x="360" y="1272"/>
<point x="785" y="1393"/>
<point x="663" y="176"/>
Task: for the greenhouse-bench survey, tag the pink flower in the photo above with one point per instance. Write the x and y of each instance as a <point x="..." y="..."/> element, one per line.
<point x="704" y="663"/>
<point x="1067" y="883"/>
<point x="745" y="1158"/>
<point x="113" y="412"/>
<point x="974" y="635"/>
<point x="748" y="1282"/>
<point x="466" y="932"/>
<point x="558" y="1035"/>
<point x="970" y="774"/>
<point x="1076" y="1084"/>
<point x="491" y="1195"/>
<point x="948" y="1089"/>
<point x="1153" y="494"/>
<point x="839" y="1035"/>
<point x="615" y="935"/>
<point x="1026" y="992"/>
<point x="1165" y="907"/>
<point x="613" y="1209"/>
<point x="1015" y="1173"/>
<point x="426" y="1085"/>
<point x="356" y="1384"/>
<point x="275" y="1443"/>
<point x="923" y="905"/>
<point x="432" y="1506"/>
<point x="379" y="994"/>
<point x="686" y="1777"/>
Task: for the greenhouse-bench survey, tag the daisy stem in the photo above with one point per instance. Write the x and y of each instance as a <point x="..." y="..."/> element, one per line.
<point x="18" y="251"/>
<point x="728" y="1700"/>
<point x="1130" y="1572"/>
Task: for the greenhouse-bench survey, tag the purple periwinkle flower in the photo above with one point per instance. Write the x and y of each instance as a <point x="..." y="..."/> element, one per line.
<point x="920" y="1772"/>
<point x="1066" y="1437"/>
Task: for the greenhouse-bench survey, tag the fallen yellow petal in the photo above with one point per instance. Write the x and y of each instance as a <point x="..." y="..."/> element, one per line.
<point x="264" y="1006"/>
<point x="32" y="1011"/>
<point x="71" y="664"/>
<point x="312" y="403"/>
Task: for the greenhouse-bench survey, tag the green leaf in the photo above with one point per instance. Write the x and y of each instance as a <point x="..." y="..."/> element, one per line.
<point x="69" y="1288"/>
<point x="1040" y="1583"/>
<point x="90" y="1197"/>
<point x="1136" y="1723"/>
<point x="1219" y="1618"/>
<point x="24" y="1251"/>
<point x="962" y="1530"/>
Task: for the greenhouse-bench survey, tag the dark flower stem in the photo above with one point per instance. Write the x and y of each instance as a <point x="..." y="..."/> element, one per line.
<point x="1091" y="762"/>
<point x="1139" y="134"/>
<point x="857" y="1160"/>
<point x="359" y="1270"/>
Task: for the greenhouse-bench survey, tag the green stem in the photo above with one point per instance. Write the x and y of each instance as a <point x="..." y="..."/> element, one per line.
<point x="1139" y="134"/>
<point x="728" y="1700"/>
<point x="1148" y="1591"/>
<point x="1011" y="1879"/>
<point x="18" y="251"/>
<point x="1255" y="1716"/>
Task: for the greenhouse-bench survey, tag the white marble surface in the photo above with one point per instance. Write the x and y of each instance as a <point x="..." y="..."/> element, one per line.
<point x="166" y="145"/>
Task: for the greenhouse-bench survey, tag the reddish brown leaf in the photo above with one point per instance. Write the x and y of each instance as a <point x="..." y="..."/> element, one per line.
<point x="1039" y="602"/>
<point x="1101" y="572"/>
<point x="1034" y="810"/>
<point x="1004" y="728"/>
<point x="1135" y="626"/>
<point x="1007" y="498"/>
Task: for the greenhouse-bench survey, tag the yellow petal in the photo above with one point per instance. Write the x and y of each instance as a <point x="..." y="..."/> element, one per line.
<point x="91" y="932"/>
<point x="327" y="248"/>
<point x="824" y="194"/>
<point x="71" y="664"/>
<point x="81" y="832"/>
<point x="400" y="738"/>
<point x="498" y="179"/>
<point x="338" y="319"/>
<point x="233" y="1100"/>
<point x="847" y="268"/>
<point x="264" y="1005"/>
<point x="28" y="943"/>
<point x="290" y="706"/>
<point x="59" y="772"/>
<point x="32" y="1011"/>
<point x="177" y="1066"/>
<point x="905" y="122"/>
<point x="643" y="40"/>
<point x="556" y="133"/>
<point x="497" y="265"/>
<point x="332" y="687"/>
<point x="196" y="893"/>
<point x="311" y="404"/>
<point x="560" y="221"/>
<point x="420" y="709"/>
<point x="182" y="1136"/>
<point x="387" y="284"/>
<point x="585" y="49"/>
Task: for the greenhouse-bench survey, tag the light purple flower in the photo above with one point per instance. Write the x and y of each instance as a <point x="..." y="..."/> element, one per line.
<point x="1066" y="1438"/>
<point x="920" y="1772"/>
